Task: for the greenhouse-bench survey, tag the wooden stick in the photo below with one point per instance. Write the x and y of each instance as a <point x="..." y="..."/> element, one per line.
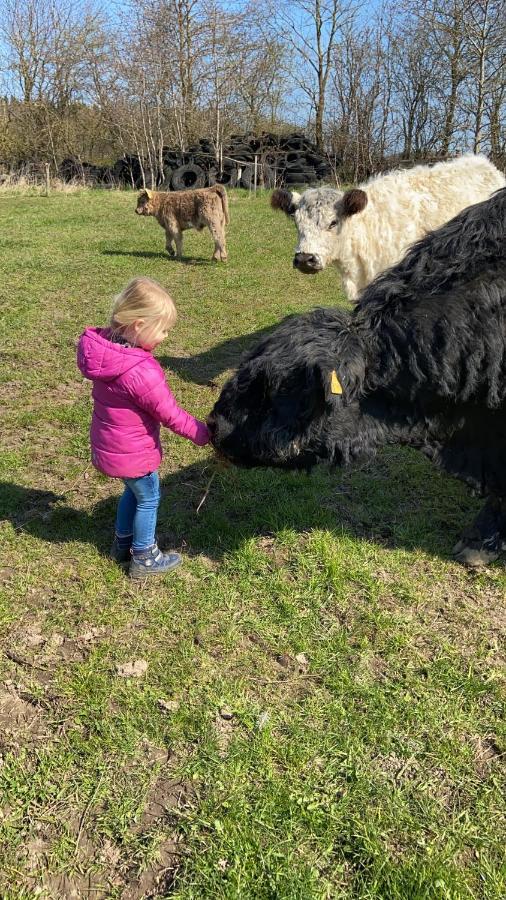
<point x="204" y="498"/>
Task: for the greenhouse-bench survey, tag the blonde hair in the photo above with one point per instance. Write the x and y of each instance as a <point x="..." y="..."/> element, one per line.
<point x="145" y="299"/>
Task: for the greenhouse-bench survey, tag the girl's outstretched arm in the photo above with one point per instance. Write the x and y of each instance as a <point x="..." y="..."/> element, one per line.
<point x="152" y="394"/>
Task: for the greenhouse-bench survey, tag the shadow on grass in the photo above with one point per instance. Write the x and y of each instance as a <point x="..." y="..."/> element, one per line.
<point x="152" y="254"/>
<point x="398" y="502"/>
<point x="202" y="368"/>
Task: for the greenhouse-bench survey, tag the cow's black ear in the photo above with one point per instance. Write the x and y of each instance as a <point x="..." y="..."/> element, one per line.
<point x="353" y="202"/>
<point x="287" y="201"/>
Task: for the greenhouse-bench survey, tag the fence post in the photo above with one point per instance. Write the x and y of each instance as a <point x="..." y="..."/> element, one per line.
<point x="48" y="180"/>
<point x="255" y="173"/>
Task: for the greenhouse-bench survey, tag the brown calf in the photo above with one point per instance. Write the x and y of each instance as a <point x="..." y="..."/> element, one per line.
<point x="179" y="210"/>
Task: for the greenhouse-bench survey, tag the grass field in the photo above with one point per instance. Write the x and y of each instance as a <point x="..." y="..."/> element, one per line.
<point x="317" y="705"/>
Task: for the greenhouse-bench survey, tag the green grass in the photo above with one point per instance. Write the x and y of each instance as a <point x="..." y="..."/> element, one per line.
<point x="362" y="669"/>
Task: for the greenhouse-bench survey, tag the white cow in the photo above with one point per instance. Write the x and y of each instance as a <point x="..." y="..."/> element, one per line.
<point x="367" y="229"/>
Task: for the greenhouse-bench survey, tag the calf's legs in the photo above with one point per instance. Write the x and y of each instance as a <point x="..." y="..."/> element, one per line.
<point x="218" y="234"/>
<point x="178" y="237"/>
<point x="174" y="236"/>
<point x="168" y="244"/>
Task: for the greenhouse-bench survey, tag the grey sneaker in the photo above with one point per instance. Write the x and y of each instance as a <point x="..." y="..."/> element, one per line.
<point x="120" y="549"/>
<point x="153" y="562"/>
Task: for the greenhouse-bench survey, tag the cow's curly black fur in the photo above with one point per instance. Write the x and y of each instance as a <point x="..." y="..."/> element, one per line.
<point x="421" y="361"/>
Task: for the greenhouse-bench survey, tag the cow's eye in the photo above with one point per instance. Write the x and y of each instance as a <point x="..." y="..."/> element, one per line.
<point x="332" y="224"/>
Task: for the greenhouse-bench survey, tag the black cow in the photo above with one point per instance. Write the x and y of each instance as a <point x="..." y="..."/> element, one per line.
<point x="420" y="361"/>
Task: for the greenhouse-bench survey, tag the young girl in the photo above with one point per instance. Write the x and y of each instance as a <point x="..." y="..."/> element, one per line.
<point x="131" y="401"/>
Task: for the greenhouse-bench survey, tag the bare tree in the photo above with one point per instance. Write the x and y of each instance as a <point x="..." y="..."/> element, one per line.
<point x="485" y="32"/>
<point x="261" y="64"/>
<point x="47" y="41"/>
<point x="360" y="97"/>
<point x="417" y="76"/>
<point x="445" y="22"/>
<point x="313" y="29"/>
<point x="25" y="28"/>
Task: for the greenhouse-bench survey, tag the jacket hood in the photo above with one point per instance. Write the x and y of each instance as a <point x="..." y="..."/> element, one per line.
<point x="99" y="359"/>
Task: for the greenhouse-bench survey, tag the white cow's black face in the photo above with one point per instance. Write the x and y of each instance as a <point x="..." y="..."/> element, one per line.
<point x="319" y="214"/>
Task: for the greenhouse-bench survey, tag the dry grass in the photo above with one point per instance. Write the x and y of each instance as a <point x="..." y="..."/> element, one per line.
<point x="11" y="183"/>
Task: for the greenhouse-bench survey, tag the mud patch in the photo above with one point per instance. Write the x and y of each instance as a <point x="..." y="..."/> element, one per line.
<point x="487" y="752"/>
<point x="103" y="870"/>
<point x="224" y="728"/>
<point x="167" y="796"/>
<point x="411" y="774"/>
<point x="21" y="722"/>
<point x="39" y="649"/>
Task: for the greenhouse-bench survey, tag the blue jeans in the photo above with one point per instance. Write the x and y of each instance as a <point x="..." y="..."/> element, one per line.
<point x="137" y="510"/>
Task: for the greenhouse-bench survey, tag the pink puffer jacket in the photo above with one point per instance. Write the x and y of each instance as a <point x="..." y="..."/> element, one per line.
<point x="131" y="400"/>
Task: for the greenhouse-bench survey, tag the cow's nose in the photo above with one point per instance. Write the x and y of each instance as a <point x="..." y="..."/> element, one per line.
<point x="307" y="263"/>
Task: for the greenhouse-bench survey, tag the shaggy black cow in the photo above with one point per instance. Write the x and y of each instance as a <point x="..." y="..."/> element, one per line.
<point x="420" y="361"/>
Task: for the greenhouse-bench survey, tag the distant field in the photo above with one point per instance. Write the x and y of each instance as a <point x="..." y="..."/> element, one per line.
<point x="322" y="713"/>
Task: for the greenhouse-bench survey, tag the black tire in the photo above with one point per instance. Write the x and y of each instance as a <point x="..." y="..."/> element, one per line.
<point x="248" y="177"/>
<point x="188" y="177"/>
<point x="315" y="159"/>
<point x="323" y="171"/>
<point x="166" y="181"/>
<point x="68" y="169"/>
<point x="228" y="178"/>
<point x="293" y="144"/>
<point x="305" y="177"/>
<point x="294" y="156"/>
<point x="242" y="156"/>
<point x="200" y="159"/>
<point x="265" y="177"/>
<point x="128" y="170"/>
<point x="271" y="158"/>
<point x="297" y="164"/>
<point x="269" y="139"/>
<point x="301" y="170"/>
<point x="211" y="177"/>
<point x="238" y="149"/>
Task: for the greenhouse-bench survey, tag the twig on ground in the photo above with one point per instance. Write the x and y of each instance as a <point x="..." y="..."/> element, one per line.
<point x="206" y="492"/>
<point x="86" y="811"/>
<point x="73" y="486"/>
<point x="20" y="661"/>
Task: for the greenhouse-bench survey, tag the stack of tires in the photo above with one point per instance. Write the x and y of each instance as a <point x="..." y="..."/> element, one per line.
<point x="304" y="164"/>
<point x="72" y="169"/>
<point x="266" y="159"/>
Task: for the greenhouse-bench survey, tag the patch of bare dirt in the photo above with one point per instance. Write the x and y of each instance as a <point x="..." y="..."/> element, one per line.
<point x="371" y="668"/>
<point x="76" y="886"/>
<point x="274" y="550"/>
<point x="404" y="772"/>
<point x="165" y="797"/>
<point x="487" y="752"/>
<point x="135" y="669"/>
<point x="100" y="870"/>
<point x="22" y="718"/>
<point x="6" y="573"/>
<point x="38" y="650"/>
<point x="224" y="726"/>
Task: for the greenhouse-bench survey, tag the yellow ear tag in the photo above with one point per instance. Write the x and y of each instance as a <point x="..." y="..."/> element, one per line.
<point x="335" y="385"/>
